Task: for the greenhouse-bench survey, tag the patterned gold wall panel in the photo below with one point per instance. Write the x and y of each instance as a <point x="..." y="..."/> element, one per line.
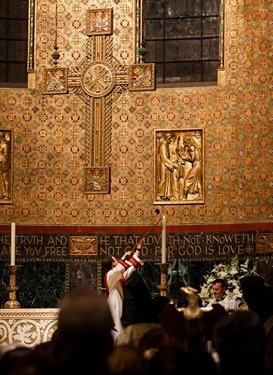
<point x="50" y="131"/>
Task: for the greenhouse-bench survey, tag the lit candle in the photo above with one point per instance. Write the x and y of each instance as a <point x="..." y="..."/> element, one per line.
<point x="12" y="245"/>
<point x="163" y="248"/>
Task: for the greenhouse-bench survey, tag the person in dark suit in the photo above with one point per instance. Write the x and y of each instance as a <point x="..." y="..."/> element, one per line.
<point x="141" y="312"/>
<point x="137" y="301"/>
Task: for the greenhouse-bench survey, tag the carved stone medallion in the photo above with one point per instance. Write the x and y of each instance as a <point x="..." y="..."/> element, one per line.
<point x="98" y="79"/>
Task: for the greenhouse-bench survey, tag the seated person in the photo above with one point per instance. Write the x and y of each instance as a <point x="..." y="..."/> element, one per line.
<point x="239" y="340"/>
<point x="220" y="296"/>
<point x="257" y="295"/>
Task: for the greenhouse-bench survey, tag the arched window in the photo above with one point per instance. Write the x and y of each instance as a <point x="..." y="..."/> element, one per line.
<point x="14" y="24"/>
<point x="182" y="38"/>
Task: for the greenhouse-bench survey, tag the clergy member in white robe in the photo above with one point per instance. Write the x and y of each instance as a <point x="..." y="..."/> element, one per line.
<point x="117" y="271"/>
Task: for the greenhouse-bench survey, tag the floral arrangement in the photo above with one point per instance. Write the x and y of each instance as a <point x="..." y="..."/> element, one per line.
<point x="231" y="271"/>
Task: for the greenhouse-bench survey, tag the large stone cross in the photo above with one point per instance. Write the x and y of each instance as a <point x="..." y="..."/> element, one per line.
<point x="99" y="80"/>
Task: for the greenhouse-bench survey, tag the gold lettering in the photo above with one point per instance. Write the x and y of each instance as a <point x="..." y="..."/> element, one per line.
<point x="5" y="239"/>
<point x="4" y="250"/>
<point x="105" y="240"/>
<point x="170" y="251"/>
<point x="174" y="239"/>
<point x="144" y="251"/>
<point x="57" y="251"/>
<point x="57" y="240"/>
<point x="157" y="251"/>
<point x="32" y="251"/>
<point x="51" y="241"/>
<point x="209" y="250"/>
<point x="190" y="251"/>
<point x="192" y="239"/>
<point x="150" y="240"/>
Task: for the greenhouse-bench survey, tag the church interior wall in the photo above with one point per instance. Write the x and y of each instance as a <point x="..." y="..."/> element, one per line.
<point x="51" y="132"/>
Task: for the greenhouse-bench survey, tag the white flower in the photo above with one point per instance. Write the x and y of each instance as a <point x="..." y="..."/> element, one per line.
<point x="210" y="280"/>
<point x="233" y="271"/>
<point x="204" y="292"/>
<point x="222" y="274"/>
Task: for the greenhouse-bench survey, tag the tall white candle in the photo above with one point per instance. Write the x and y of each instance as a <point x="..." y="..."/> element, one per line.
<point x="12" y="244"/>
<point x="163" y="245"/>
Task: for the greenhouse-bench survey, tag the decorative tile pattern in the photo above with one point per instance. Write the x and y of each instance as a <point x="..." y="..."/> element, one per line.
<point x="50" y="131"/>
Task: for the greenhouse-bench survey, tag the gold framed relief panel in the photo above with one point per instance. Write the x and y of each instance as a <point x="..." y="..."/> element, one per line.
<point x="97" y="180"/>
<point x="99" y="21"/>
<point x="6" y="166"/>
<point x="179" y="166"/>
<point x="55" y="81"/>
<point x="142" y="77"/>
<point x="83" y="246"/>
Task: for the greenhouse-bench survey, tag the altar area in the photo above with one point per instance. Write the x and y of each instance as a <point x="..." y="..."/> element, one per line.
<point x="28" y="327"/>
<point x="43" y="273"/>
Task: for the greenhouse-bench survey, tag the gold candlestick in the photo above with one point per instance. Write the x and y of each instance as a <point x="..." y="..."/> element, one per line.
<point x="12" y="303"/>
<point x="163" y="279"/>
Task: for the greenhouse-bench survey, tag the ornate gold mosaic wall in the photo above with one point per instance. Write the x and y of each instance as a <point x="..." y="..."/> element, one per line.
<point x="50" y="131"/>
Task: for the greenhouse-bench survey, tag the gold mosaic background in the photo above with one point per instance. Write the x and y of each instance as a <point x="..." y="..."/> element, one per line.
<point x="49" y="130"/>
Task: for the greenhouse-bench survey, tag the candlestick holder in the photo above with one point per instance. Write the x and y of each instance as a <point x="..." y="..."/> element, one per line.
<point x="12" y="303"/>
<point x="163" y="279"/>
